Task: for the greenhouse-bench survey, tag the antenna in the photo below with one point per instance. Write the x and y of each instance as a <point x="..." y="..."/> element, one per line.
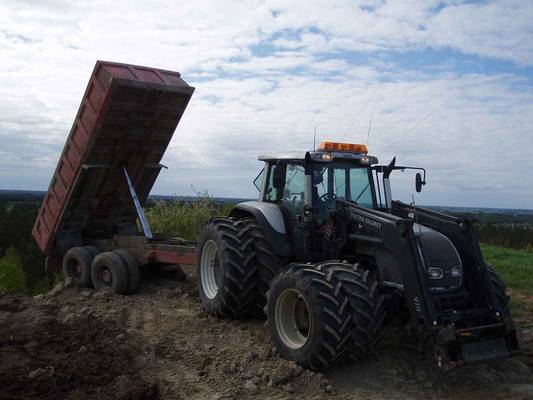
<point x="369" y="128"/>
<point x="314" y="140"/>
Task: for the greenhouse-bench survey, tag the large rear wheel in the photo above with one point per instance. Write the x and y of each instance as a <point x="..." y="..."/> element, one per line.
<point x="267" y="262"/>
<point x="225" y="269"/>
<point x="308" y="317"/>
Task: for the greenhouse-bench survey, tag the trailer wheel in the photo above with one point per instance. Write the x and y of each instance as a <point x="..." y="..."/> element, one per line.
<point x="110" y="271"/>
<point x="93" y="250"/>
<point x="268" y="265"/>
<point x="77" y="265"/>
<point x="308" y="317"/>
<point x="225" y="269"/>
<point x="366" y="304"/>
<point x="132" y="266"/>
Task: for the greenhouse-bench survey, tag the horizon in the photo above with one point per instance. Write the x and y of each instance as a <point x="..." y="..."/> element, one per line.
<point x="192" y="196"/>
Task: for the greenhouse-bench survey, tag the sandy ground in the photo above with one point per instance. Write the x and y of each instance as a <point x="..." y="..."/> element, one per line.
<point x="78" y="343"/>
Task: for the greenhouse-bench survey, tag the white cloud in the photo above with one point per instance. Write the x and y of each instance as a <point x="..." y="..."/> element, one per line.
<point x="267" y="73"/>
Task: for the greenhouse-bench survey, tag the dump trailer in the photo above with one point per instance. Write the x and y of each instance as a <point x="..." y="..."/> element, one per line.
<point x="91" y="220"/>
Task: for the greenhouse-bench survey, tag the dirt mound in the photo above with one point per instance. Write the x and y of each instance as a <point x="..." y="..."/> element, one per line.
<point x="53" y="351"/>
<point x="79" y="344"/>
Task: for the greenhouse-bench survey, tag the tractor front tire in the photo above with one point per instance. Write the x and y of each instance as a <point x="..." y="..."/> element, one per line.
<point x="225" y="269"/>
<point x="500" y="289"/>
<point x="77" y="265"/>
<point x="308" y="317"/>
<point x="366" y="305"/>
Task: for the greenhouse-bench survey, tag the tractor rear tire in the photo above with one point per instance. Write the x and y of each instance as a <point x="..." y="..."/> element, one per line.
<point x="225" y="269"/>
<point x="132" y="266"/>
<point x="268" y="265"/>
<point x="308" y="317"/>
<point x="109" y="271"/>
<point x="366" y="303"/>
<point x="77" y="265"/>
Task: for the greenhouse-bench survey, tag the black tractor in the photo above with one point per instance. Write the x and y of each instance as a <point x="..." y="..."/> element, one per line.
<point x="329" y="258"/>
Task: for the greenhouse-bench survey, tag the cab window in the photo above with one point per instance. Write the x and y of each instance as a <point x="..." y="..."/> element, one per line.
<point x="292" y="193"/>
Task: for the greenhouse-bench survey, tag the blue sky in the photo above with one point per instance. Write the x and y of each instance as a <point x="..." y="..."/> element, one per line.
<point x="448" y="85"/>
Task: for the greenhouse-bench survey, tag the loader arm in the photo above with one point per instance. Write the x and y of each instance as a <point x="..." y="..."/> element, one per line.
<point x="461" y="233"/>
<point x="477" y="330"/>
<point x="392" y="241"/>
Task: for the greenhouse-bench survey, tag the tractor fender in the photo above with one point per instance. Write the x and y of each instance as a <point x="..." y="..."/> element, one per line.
<point x="271" y="219"/>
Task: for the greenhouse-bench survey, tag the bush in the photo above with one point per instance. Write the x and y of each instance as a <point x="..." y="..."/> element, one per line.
<point x="12" y="277"/>
<point x="183" y="219"/>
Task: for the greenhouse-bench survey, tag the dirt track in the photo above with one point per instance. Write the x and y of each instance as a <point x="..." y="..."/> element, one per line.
<point x="159" y="344"/>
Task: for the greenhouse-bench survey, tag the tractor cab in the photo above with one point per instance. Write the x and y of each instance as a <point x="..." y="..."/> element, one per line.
<point x="313" y="180"/>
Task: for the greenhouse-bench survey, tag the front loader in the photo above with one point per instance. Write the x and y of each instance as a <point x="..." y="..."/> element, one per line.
<point x="328" y="257"/>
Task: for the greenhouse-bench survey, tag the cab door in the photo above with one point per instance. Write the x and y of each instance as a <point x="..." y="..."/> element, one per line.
<point x="285" y="187"/>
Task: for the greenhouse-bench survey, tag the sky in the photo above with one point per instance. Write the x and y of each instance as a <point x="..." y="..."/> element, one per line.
<point x="446" y="84"/>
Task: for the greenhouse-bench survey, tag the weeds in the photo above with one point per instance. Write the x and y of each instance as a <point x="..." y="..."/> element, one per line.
<point x="183" y="219"/>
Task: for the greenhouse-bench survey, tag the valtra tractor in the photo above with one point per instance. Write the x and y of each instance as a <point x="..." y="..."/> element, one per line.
<point x="327" y="256"/>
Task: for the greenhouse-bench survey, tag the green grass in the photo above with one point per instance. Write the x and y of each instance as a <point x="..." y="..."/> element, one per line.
<point x="515" y="266"/>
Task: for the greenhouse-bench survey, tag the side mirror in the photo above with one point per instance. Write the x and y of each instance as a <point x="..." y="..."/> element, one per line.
<point x="278" y="177"/>
<point x="419" y="182"/>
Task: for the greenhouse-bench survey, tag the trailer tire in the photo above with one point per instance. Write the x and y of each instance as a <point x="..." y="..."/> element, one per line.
<point x="308" y="317"/>
<point x="93" y="250"/>
<point x="268" y="265"/>
<point x="134" y="278"/>
<point x="367" y="305"/>
<point x="109" y="271"/>
<point x="225" y="269"/>
<point x="77" y="266"/>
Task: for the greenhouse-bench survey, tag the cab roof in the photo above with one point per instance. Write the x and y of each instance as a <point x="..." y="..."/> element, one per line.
<point x="318" y="155"/>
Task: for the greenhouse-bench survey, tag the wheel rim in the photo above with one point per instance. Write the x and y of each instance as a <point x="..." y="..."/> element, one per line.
<point x="74" y="269"/>
<point x="209" y="269"/>
<point x="107" y="276"/>
<point x="293" y="319"/>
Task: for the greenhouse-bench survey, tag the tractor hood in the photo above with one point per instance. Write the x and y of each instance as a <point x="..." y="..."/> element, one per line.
<point x="441" y="259"/>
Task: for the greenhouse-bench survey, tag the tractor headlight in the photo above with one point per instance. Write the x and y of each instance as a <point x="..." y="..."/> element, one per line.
<point x="435" y="273"/>
<point x="457" y="272"/>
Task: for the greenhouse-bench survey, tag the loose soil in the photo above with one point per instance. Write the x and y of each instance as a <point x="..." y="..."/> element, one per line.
<point x="158" y="344"/>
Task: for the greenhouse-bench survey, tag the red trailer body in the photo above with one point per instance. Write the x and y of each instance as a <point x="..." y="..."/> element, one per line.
<point x="126" y="119"/>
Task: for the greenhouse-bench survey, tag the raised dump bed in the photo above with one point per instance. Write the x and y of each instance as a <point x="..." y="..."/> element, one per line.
<point x="125" y="122"/>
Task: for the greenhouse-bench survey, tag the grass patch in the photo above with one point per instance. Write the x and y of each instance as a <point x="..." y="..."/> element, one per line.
<point x="515" y="266"/>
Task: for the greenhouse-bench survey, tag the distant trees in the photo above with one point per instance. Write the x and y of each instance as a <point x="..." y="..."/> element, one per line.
<point x="20" y="258"/>
<point x="506" y="236"/>
<point x="12" y="277"/>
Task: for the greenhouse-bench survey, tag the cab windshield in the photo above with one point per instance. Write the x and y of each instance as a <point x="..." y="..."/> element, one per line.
<point x="341" y="181"/>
